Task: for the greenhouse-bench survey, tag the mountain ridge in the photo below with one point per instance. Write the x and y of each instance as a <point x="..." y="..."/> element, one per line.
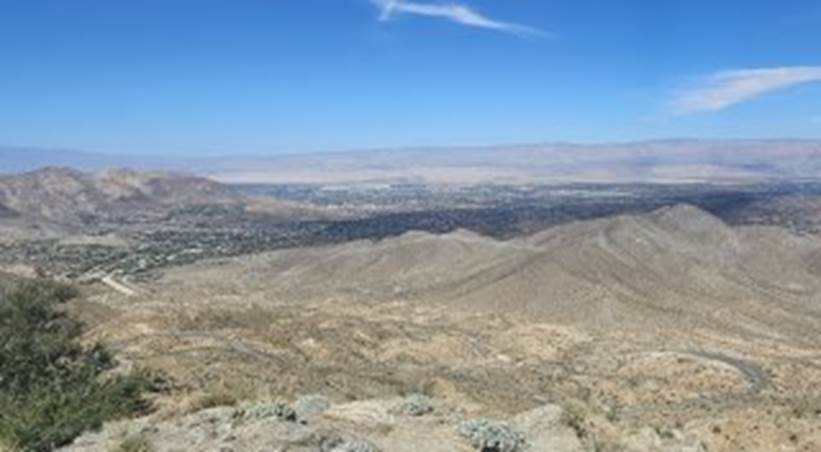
<point x="67" y="196"/>
<point x="678" y="267"/>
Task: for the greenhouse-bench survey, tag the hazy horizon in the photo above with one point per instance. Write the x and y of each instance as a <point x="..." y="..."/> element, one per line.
<point x="239" y="153"/>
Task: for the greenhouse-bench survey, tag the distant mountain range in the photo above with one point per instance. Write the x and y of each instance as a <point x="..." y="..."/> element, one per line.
<point x="23" y="159"/>
<point x="667" y="161"/>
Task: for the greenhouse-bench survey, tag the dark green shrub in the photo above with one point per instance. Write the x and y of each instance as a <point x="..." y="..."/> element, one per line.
<point x="51" y="387"/>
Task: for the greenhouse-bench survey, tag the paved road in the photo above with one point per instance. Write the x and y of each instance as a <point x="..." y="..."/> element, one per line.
<point x="757" y="377"/>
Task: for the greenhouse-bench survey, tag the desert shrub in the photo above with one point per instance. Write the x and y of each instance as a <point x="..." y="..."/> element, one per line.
<point x="211" y="399"/>
<point x="265" y="410"/>
<point x="414" y="405"/>
<point x="321" y="439"/>
<point x="806" y="407"/>
<point x="138" y="442"/>
<point x="663" y="432"/>
<point x="613" y="414"/>
<point x="51" y="387"/>
<point x="574" y="417"/>
<point x="491" y="436"/>
<point x="310" y="405"/>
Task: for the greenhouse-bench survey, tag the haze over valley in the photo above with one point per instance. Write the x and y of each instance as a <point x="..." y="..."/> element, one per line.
<point x="662" y="161"/>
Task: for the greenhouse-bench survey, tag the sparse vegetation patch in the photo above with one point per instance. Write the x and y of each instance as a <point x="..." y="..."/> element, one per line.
<point x="491" y="436"/>
<point x="138" y="442"/>
<point x="265" y="410"/>
<point x="51" y="387"/>
<point x="414" y="405"/>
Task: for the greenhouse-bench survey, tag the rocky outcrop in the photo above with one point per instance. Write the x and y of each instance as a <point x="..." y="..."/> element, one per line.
<point x="366" y="426"/>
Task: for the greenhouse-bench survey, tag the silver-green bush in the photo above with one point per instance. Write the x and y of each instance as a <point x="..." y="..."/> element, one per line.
<point x="492" y="436"/>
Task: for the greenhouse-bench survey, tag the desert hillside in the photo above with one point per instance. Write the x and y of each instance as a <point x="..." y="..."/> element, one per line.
<point x="69" y="197"/>
<point x="678" y="268"/>
<point x="665" y="331"/>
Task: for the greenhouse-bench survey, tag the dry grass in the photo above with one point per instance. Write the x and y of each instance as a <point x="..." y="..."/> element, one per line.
<point x="137" y="442"/>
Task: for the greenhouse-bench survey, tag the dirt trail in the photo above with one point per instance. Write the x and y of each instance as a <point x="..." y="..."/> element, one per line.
<point x="120" y="287"/>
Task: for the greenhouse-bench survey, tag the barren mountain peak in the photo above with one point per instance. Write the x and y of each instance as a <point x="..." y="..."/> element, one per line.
<point x="694" y="222"/>
<point x="72" y="198"/>
<point x="685" y="213"/>
<point x="53" y="173"/>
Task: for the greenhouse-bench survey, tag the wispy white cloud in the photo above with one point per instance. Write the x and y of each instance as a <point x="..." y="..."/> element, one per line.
<point x="727" y="88"/>
<point x="455" y="12"/>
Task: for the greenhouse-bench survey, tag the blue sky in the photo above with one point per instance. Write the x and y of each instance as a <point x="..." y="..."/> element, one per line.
<point x="218" y="76"/>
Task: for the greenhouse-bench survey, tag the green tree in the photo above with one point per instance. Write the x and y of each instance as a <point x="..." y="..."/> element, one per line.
<point x="51" y="387"/>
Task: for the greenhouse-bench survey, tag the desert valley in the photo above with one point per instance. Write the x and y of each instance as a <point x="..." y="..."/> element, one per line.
<point x="398" y="314"/>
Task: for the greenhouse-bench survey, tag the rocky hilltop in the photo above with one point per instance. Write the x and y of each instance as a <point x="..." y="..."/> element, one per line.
<point x="399" y="424"/>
